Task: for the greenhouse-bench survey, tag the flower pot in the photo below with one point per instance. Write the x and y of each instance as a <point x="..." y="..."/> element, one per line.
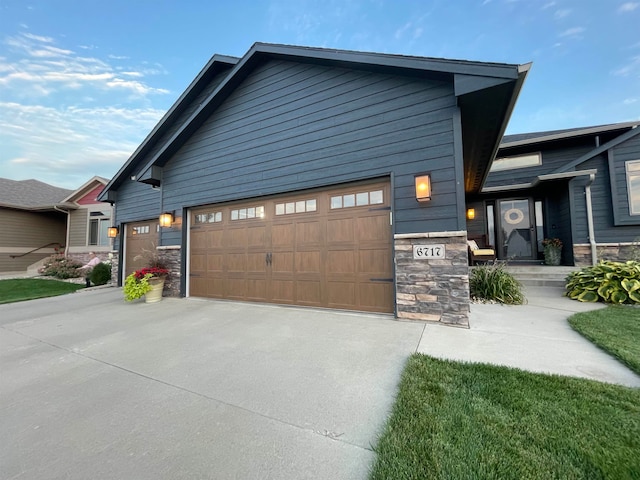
<point x="552" y="255"/>
<point x="155" y="294"/>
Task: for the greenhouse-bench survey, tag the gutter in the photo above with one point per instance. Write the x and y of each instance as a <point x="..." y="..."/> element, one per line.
<point x="592" y="239"/>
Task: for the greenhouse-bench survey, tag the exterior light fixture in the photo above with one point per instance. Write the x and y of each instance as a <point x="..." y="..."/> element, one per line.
<point x="166" y="219"/>
<point x="423" y="187"/>
<point x="471" y="213"/>
<point x="112" y="232"/>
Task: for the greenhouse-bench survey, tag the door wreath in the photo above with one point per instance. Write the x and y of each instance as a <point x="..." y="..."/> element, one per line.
<point x="510" y="219"/>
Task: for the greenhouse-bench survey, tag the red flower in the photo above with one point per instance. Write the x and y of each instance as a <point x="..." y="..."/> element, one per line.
<point x="153" y="271"/>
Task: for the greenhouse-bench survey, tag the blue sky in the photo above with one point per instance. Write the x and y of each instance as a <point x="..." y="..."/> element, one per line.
<point x="83" y="82"/>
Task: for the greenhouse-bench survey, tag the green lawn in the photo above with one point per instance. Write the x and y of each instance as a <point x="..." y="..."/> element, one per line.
<point x="21" y="289"/>
<point x="615" y="329"/>
<point x="471" y="421"/>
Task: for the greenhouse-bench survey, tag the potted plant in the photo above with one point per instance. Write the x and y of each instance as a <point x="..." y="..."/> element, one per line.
<point x="147" y="282"/>
<point x="552" y="251"/>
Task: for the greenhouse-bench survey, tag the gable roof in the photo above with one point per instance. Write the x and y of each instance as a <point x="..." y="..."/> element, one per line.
<point x="85" y="188"/>
<point x="597" y="151"/>
<point x="30" y="194"/>
<point x="539" y="137"/>
<point x="485" y="91"/>
<point x="216" y="65"/>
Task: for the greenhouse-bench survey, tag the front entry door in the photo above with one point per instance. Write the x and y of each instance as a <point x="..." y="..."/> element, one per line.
<point x="516" y="230"/>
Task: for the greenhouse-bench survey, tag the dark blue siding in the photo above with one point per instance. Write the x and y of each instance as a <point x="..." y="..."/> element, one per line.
<point x="605" y="229"/>
<point x="293" y="126"/>
<point x="552" y="159"/>
<point x="620" y="154"/>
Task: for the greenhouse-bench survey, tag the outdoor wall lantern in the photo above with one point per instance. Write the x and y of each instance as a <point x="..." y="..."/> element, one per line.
<point x="423" y="187"/>
<point x="471" y="213"/>
<point x="112" y="232"/>
<point x="166" y="219"/>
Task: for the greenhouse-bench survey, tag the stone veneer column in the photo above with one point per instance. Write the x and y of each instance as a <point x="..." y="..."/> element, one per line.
<point x="170" y="255"/>
<point x="113" y="257"/>
<point x="434" y="290"/>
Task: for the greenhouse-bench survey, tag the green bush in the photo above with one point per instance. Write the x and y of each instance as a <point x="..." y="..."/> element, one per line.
<point x="493" y="283"/>
<point x="100" y="274"/>
<point x="62" y="267"/>
<point x="609" y="282"/>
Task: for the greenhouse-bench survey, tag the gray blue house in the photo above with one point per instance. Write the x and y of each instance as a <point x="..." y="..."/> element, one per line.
<point x="580" y="185"/>
<point x="318" y="177"/>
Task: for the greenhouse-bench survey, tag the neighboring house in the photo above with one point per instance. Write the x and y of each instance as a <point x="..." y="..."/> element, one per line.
<point x="33" y="226"/>
<point x="580" y="185"/>
<point x="39" y="219"/>
<point x="89" y="220"/>
<point x="290" y="174"/>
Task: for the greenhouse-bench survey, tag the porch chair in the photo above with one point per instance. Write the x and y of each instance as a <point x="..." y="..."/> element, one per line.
<point x="477" y="254"/>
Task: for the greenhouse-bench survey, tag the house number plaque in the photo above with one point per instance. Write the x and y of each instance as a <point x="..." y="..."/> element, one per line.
<point x="428" y="251"/>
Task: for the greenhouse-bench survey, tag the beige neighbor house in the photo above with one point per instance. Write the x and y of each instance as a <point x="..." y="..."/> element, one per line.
<point x="40" y="219"/>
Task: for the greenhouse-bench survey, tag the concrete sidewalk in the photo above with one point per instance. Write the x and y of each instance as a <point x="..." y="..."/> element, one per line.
<point x="535" y="337"/>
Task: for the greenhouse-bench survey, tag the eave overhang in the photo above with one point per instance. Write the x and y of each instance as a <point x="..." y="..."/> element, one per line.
<point x="539" y="179"/>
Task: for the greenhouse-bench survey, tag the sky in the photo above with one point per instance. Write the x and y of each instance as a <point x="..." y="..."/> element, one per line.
<point x="82" y="82"/>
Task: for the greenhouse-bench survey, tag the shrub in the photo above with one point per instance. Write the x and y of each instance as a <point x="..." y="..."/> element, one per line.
<point x="492" y="282"/>
<point x="610" y="282"/>
<point x="61" y="267"/>
<point x="100" y="274"/>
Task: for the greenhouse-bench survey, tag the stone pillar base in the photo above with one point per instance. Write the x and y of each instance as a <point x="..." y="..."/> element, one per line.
<point x="617" y="252"/>
<point x="433" y="289"/>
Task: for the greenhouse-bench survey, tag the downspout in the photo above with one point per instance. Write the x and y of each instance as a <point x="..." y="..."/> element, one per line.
<point x="592" y="239"/>
<point x="66" y="239"/>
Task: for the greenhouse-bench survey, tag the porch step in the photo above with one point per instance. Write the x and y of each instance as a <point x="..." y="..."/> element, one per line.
<point x="540" y="275"/>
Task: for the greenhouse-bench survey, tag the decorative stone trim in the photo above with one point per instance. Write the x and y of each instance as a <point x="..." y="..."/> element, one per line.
<point x="617" y="252"/>
<point x="115" y="270"/>
<point x="433" y="290"/>
<point x="170" y="255"/>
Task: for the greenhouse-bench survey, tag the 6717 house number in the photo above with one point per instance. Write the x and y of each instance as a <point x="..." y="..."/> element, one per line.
<point x="428" y="251"/>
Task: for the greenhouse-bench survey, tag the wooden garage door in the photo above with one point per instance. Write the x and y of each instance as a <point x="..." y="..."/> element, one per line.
<point x="141" y="237"/>
<point x="324" y="248"/>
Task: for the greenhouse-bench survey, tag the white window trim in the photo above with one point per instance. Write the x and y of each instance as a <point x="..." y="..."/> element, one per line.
<point x="106" y="208"/>
<point x="502" y="161"/>
<point x="628" y="175"/>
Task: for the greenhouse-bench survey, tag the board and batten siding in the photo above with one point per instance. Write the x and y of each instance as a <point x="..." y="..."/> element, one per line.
<point x="618" y="156"/>
<point x="292" y="126"/>
<point x="605" y="229"/>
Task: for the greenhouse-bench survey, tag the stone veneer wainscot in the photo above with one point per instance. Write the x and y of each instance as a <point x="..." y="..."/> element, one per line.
<point x="434" y="290"/>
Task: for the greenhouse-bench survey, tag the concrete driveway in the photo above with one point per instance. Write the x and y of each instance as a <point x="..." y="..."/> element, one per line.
<point x="92" y="387"/>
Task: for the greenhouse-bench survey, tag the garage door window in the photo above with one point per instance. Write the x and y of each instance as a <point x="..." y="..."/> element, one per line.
<point x="301" y="206"/>
<point x="359" y="199"/>
<point x="246" y="213"/>
<point x="212" y="217"/>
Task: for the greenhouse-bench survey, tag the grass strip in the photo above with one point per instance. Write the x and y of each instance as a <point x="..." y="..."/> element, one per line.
<point x="615" y="329"/>
<point x="476" y="421"/>
<point x="21" y="289"/>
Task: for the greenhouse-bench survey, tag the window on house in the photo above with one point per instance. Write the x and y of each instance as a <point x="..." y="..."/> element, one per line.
<point x="633" y="186"/>
<point x="517" y="161"/>
<point x="246" y="213"/>
<point x="98" y="225"/>
<point x="301" y="206"/>
<point x="357" y="199"/>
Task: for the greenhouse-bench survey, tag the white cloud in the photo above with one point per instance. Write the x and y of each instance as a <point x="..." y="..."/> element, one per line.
<point x="629" y="101"/>
<point x="628" y="7"/>
<point x="560" y="14"/>
<point x="42" y="68"/>
<point x="572" y="32"/>
<point x="631" y="67"/>
<point x="548" y="5"/>
<point x="65" y="146"/>
<point x="64" y="116"/>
